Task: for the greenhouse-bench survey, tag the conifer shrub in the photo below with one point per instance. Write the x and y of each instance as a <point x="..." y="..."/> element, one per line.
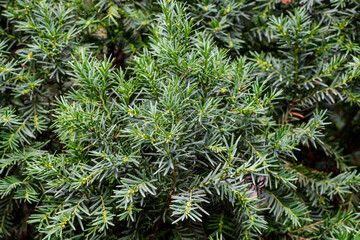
<point x="179" y="119"/>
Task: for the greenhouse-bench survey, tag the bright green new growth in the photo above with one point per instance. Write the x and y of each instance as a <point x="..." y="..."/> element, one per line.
<point x="187" y="143"/>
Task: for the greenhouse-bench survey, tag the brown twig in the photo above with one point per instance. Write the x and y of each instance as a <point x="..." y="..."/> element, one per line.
<point x="167" y="204"/>
<point x="354" y="158"/>
<point x="298" y="237"/>
<point x="289" y="111"/>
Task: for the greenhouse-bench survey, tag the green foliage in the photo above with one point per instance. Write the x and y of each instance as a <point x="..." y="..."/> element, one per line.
<point x="222" y="124"/>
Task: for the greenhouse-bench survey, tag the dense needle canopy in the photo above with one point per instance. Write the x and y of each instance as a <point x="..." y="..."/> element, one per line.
<point x="203" y="119"/>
